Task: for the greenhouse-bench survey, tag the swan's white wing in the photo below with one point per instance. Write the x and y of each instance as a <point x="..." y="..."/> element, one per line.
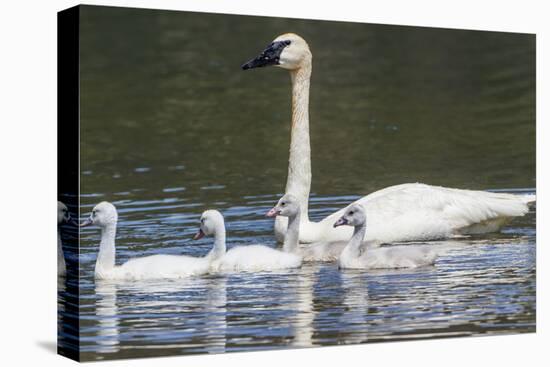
<point x="419" y="212"/>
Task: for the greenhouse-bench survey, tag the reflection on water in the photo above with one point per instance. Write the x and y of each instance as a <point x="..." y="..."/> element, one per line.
<point x="191" y="308"/>
<point x="355" y="302"/>
<point x="480" y="285"/>
<point x="170" y="127"/>
<point x="305" y="314"/>
<point x="106" y="312"/>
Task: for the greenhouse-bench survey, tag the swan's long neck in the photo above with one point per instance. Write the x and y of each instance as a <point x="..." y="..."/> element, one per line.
<point x="292" y="235"/>
<point x="60" y="256"/>
<point x="106" y="256"/>
<point x="353" y="248"/>
<point x="298" y="181"/>
<point x="219" y="243"/>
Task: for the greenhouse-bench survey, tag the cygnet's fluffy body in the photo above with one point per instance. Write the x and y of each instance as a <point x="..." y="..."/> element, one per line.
<point x="289" y="206"/>
<point x="243" y="258"/>
<point x="105" y="216"/>
<point x="357" y="256"/>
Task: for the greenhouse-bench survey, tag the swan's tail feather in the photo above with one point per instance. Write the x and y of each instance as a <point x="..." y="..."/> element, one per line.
<point x="489" y="212"/>
<point x="528" y="199"/>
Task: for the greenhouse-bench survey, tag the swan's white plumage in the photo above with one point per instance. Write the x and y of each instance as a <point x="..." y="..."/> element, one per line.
<point x="289" y="207"/>
<point x="256" y="258"/>
<point x="157" y="267"/>
<point x="400" y="213"/>
<point x="358" y="256"/>
<point x="323" y="251"/>
<point x="243" y="258"/>
<point x="149" y="267"/>
<point x="413" y="212"/>
<point x="398" y="257"/>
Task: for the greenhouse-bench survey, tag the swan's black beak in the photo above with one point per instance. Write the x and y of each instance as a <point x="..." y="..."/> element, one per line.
<point x="199" y="235"/>
<point x="270" y="56"/>
<point x="86" y="223"/>
<point x="340" y="222"/>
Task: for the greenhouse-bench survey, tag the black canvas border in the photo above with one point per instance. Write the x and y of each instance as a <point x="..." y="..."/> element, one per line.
<point x="68" y="184"/>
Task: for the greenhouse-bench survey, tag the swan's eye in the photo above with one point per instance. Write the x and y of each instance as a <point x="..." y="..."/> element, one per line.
<point x="283" y="203"/>
<point x="287" y="42"/>
<point x="351" y="213"/>
<point x="202" y="220"/>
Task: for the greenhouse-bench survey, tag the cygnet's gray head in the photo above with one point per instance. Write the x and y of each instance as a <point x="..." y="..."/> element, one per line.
<point x="287" y="206"/>
<point x="211" y="221"/>
<point x="103" y="215"/>
<point x="354" y="216"/>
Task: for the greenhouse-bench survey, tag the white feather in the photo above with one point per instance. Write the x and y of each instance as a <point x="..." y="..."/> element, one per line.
<point x="418" y="212"/>
<point x="358" y="256"/>
<point x="148" y="267"/>
<point x="243" y="258"/>
<point x="157" y="267"/>
<point x="256" y="258"/>
<point x="397" y="257"/>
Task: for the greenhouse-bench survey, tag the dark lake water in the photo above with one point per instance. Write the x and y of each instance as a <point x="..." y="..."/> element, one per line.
<point x="170" y="126"/>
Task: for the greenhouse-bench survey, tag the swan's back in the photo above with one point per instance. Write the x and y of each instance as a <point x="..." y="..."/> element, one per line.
<point x="423" y="212"/>
<point x="157" y="267"/>
<point x="256" y="258"/>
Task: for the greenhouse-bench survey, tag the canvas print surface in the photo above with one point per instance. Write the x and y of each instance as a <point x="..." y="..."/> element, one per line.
<point x="235" y="183"/>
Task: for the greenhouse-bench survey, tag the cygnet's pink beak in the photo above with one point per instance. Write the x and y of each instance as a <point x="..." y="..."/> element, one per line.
<point x="86" y="223"/>
<point x="340" y="222"/>
<point x="273" y="212"/>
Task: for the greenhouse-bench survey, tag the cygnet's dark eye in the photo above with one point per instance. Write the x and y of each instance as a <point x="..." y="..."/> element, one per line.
<point x="351" y="212"/>
<point x="283" y="203"/>
<point x="202" y="220"/>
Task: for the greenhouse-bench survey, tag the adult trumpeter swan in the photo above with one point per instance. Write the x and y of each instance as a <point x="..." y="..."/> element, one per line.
<point x="289" y="206"/>
<point x="105" y="216"/>
<point x="243" y="258"/>
<point x="404" y="212"/>
<point x="356" y="256"/>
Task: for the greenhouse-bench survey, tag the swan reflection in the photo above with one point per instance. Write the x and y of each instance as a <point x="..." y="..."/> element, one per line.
<point x="188" y="307"/>
<point x="355" y="306"/>
<point x="216" y="311"/>
<point x="107" y="315"/>
<point x="305" y="315"/>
